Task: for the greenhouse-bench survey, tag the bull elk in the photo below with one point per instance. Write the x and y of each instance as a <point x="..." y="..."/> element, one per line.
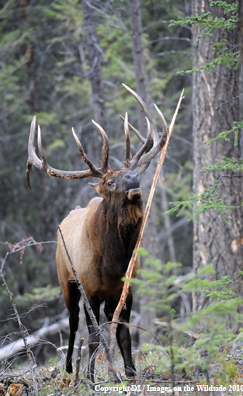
<point x="100" y="238"/>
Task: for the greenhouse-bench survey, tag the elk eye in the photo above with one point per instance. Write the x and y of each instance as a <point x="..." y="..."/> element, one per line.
<point x="110" y="183"/>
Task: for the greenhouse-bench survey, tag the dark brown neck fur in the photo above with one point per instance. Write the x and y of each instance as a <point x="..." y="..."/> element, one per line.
<point x="117" y="224"/>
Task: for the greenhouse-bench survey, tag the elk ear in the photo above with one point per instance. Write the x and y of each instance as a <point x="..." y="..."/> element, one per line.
<point x="96" y="186"/>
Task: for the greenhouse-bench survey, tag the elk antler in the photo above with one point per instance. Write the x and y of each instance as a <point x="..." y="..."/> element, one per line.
<point x="42" y="164"/>
<point x="127" y="143"/>
<point x="152" y="144"/>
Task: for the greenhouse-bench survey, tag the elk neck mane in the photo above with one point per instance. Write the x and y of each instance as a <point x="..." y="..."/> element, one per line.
<point x="122" y="213"/>
<point x="119" y="219"/>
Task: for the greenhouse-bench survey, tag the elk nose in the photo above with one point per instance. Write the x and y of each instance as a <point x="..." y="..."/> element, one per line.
<point x="132" y="180"/>
<point x="131" y="175"/>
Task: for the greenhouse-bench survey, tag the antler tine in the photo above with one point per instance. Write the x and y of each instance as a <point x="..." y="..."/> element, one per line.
<point x="146" y="158"/>
<point x="147" y="153"/>
<point x="105" y="148"/>
<point x="144" y="168"/>
<point x="41" y="151"/>
<point x="93" y="171"/>
<point x="146" y="146"/>
<point x="127" y="142"/>
<point x="137" y="133"/>
<point x="157" y="147"/>
<point x="42" y="164"/>
<point x="162" y="118"/>
<point x="32" y="156"/>
<point x="91" y="166"/>
<point x="145" y="109"/>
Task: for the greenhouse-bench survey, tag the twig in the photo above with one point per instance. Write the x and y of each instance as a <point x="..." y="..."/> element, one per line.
<point x="227" y="176"/>
<point x="128" y="274"/>
<point x="91" y="314"/>
<point x="78" y="361"/>
<point x="136" y="327"/>
<point x="23" y="330"/>
<point x="172" y="356"/>
<point x="190" y="333"/>
<point x="30" y="340"/>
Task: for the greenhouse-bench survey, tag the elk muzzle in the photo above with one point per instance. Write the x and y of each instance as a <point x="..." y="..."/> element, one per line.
<point x="132" y="185"/>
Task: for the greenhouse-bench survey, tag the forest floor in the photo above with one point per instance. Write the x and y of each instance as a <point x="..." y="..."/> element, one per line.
<point x="54" y="381"/>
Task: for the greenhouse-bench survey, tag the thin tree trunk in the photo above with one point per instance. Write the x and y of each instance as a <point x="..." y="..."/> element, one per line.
<point x="241" y="65"/>
<point x="215" y="108"/>
<point x="241" y="29"/>
<point x="138" y="58"/>
<point x="150" y="236"/>
<point x="170" y="239"/>
<point x="95" y="76"/>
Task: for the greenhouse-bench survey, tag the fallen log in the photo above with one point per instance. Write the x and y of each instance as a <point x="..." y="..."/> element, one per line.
<point x="18" y="346"/>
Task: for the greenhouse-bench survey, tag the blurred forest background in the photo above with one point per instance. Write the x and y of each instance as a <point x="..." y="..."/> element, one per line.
<point x="65" y="61"/>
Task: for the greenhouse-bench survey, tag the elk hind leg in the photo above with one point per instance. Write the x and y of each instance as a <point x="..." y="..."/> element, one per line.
<point x="123" y="334"/>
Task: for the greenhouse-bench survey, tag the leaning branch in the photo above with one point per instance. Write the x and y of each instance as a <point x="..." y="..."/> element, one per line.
<point x="130" y="268"/>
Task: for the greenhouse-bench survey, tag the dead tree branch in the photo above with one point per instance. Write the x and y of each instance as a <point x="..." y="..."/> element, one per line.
<point x="78" y="361"/>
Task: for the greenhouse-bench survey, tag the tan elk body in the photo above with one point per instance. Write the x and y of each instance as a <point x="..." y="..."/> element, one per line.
<point x="81" y="234"/>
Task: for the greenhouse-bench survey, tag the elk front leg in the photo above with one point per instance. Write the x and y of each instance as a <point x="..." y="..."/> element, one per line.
<point x="71" y="296"/>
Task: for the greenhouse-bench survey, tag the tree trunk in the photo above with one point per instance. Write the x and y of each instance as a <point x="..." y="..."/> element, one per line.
<point x="150" y="235"/>
<point x="241" y="30"/>
<point x="95" y="76"/>
<point x="138" y="58"/>
<point x="241" y="64"/>
<point x="169" y="235"/>
<point x="215" y="108"/>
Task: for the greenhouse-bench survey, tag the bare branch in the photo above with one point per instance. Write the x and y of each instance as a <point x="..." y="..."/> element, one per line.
<point x="23" y="330"/>
<point x="78" y="361"/>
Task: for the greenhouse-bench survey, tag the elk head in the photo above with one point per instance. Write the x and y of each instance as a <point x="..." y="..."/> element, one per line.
<point x="117" y="181"/>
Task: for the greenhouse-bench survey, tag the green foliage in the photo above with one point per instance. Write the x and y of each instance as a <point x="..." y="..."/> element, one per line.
<point x="224" y="135"/>
<point x="230" y="370"/>
<point x="230" y="59"/>
<point x="225" y="55"/>
<point x="210" y="326"/>
<point x="233" y="164"/>
<point x="211" y="24"/>
<point x="62" y="383"/>
<point x="200" y="203"/>
<point x="209" y="199"/>
<point x="38" y="294"/>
